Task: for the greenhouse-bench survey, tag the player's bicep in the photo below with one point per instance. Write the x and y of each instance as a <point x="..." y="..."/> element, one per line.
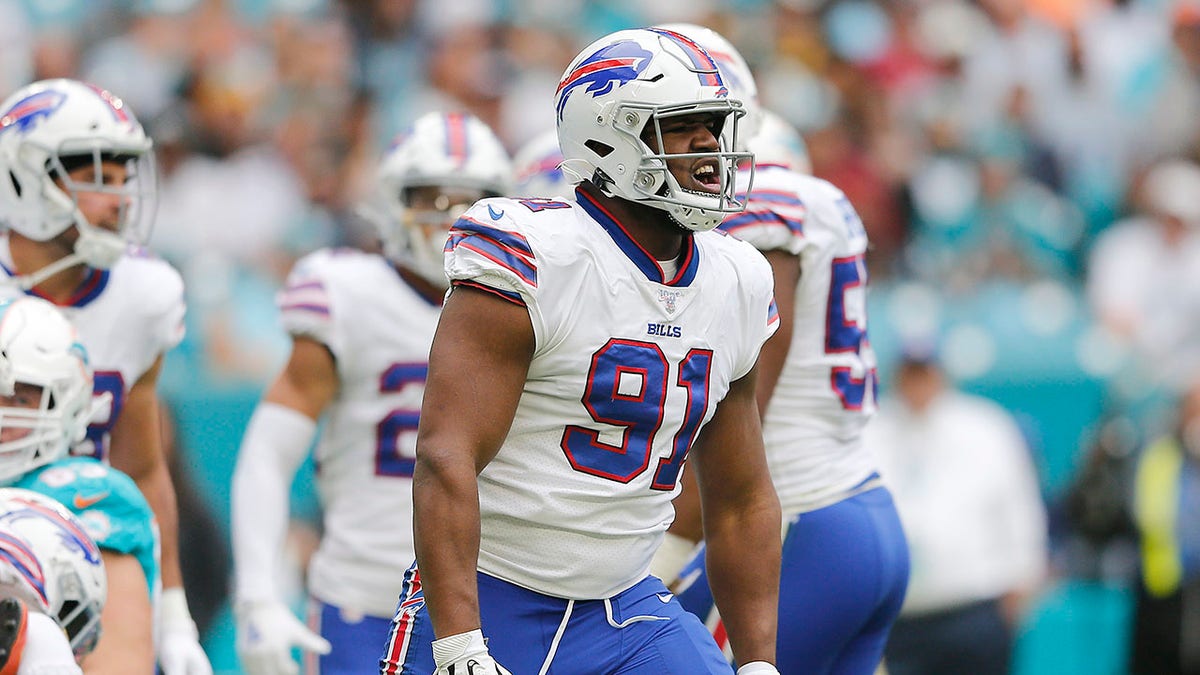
<point x="309" y="380"/>
<point x="785" y="269"/>
<point x="136" y="436"/>
<point x="477" y="367"/>
<point x="126" y="639"/>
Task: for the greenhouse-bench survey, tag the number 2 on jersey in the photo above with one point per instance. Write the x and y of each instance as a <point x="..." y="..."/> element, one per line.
<point x="627" y="387"/>
<point x="389" y="460"/>
<point x="846" y="329"/>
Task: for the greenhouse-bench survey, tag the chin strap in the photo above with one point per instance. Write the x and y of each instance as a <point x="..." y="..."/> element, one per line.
<point x="96" y="248"/>
<point x="27" y="281"/>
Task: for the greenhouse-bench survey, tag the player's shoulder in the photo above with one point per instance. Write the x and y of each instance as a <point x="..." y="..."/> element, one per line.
<point x="733" y="254"/>
<point x="84" y="484"/>
<point x="153" y="282"/>
<point x="336" y="264"/>
<point x="523" y="217"/>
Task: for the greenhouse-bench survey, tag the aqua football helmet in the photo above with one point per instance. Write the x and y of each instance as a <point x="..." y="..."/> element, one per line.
<point x="48" y="560"/>
<point x="45" y="386"/>
<point x="51" y="129"/>
<point x="460" y="160"/>
<point x="628" y="83"/>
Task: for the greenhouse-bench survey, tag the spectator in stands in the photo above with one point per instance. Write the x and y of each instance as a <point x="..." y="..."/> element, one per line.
<point x="1166" y="509"/>
<point x="968" y="496"/>
<point x="1144" y="274"/>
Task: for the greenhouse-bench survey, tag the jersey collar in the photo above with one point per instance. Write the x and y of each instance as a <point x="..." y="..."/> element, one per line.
<point x="634" y="251"/>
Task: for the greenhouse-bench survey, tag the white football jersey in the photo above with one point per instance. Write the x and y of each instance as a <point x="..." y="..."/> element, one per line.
<point x="378" y="329"/>
<point x="627" y="367"/>
<point x="826" y="392"/>
<point x="127" y="317"/>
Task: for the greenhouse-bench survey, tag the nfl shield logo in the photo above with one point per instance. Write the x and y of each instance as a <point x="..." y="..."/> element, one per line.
<point x="669" y="298"/>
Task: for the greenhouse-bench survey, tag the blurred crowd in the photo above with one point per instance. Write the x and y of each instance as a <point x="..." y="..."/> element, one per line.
<point x="1026" y="169"/>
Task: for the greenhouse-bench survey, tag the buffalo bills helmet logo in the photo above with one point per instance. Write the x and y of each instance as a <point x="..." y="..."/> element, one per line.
<point x="610" y="67"/>
<point x="26" y="112"/>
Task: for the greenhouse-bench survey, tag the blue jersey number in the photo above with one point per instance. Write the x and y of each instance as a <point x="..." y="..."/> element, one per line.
<point x="108" y="384"/>
<point x="389" y="460"/>
<point x="846" y="333"/>
<point x="627" y="388"/>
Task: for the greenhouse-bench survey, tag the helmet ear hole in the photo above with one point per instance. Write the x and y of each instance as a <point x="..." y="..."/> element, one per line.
<point x="15" y="183"/>
<point x="601" y="149"/>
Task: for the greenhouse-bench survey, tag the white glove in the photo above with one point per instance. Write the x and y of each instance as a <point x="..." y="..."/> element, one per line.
<point x="267" y="631"/>
<point x="757" y="668"/>
<point x="465" y="654"/>
<point x="179" y="650"/>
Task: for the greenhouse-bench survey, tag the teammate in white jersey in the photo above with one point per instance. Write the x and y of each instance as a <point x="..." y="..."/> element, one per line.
<point x="588" y="347"/>
<point x="845" y="560"/>
<point x="76" y="194"/>
<point x="361" y="326"/>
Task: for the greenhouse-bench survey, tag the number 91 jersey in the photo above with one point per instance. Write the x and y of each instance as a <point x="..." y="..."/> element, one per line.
<point x="826" y="391"/>
<point x="378" y="329"/>
<point x="628" y="365"/>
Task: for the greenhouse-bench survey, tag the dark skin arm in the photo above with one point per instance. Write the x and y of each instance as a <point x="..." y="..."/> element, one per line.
<point x="464" y="420"/>
<point x="741" y="522"/>
<point x="786" y="270"/>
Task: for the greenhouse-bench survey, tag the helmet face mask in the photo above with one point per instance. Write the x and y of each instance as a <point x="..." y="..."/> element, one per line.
<point x="48" y="560"/>
<point x="59" y="143"/>
<point x="45" y="386"/>
<point x="429" y="177"/>
<point x="622" y="89"/>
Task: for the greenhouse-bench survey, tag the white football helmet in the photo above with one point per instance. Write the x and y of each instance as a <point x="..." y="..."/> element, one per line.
<point x="39" y="347"/>
<point x="778" y="142"/>
<point x="624" y="82"/>
<point x="737" y="74"/>
<point x="536" y="166"/>
<point x="52" y="127"/>
<point x="441" y="150"/>
<point x="50" y="562"/>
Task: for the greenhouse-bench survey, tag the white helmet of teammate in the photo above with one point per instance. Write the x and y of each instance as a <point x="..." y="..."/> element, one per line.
<point x="429" y="176"/>
<point x="48" y="560"/>
<point x="628" y="82"/>
<point x="778" y="142"/>
<point x="52" y="127"/>
<point x="536" y="166"/>
<point x="737" y="74"/>
<point x="45" y="386"/>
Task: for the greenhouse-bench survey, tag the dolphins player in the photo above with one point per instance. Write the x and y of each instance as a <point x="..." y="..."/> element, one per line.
<point x="45" y="404"/>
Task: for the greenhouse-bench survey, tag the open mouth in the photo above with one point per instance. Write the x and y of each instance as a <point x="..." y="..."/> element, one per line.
<point x="705" y="176"/>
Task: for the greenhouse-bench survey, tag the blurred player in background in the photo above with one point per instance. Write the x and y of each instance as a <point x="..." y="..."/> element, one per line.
<point x="77" y="193"/>
<point x="845" y="560"/>
<point x="44" y="409"/>
<point x="582" y="349"/>
<point x="537" y="168"/>
<point x="361" y="326"/>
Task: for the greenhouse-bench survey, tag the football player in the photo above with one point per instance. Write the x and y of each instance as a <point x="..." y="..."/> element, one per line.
<point x="845" y="559"/>
<point x="45" y="404"/>
<point x="536" y="166"/>
<point x="586" y="348"/>
<point x="50" y="565"/>
<point x="361" y="325"/>
<point x="76" y="193"/>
